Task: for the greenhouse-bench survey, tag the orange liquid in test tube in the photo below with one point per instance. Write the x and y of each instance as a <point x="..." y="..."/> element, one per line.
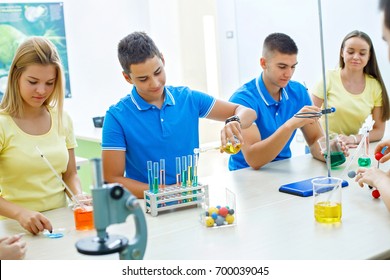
<point x="84" y="218"/>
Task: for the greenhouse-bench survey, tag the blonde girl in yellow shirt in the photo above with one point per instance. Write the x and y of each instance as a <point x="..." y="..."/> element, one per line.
<point x="31" y="115"/>
<point x="356" y="90"/>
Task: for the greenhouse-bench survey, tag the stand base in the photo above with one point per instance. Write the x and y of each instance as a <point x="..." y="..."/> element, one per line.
<point x="93" y="246"/>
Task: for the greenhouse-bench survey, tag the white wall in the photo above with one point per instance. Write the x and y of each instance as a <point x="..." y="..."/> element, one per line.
<point x="252" y="20"/>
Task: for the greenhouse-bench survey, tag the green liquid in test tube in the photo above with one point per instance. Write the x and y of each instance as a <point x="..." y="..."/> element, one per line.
<point x="184" y="171"/>
<point x="155" y="177"/>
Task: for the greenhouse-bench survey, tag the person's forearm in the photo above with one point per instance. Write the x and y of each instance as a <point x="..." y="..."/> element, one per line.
<point x="135" y="187"/>
<point x="316" y="152"/>
<point x="263" y="152"/>
<point x="376" y="134"/>
<point x="9" y="209"/>
<point x="247" y="116"/>
<point x="385" y="195"/>
<point x="382" y="183"/>
<point x="74" y="184"/>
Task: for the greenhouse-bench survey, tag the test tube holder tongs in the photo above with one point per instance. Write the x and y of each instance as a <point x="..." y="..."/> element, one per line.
<point x="113" y="204"/>
<point x="174" y="197"/>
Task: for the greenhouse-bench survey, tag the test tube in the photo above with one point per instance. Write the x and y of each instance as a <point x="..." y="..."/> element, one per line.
<point x="162" y="173"/>
<point x="184" y="171"/>
<point x="178" y="171"/>
<point x="195" y="178"/>
<point x="189" y="171"/>
<point x="155" y="177"/>
<point x="367" y="143"/>
<point x="150" y="175"/>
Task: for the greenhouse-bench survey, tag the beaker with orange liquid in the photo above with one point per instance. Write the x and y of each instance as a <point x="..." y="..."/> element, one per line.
<point x="83" y="213"/>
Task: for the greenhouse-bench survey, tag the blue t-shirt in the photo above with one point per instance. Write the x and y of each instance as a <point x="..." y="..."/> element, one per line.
<point x="271" y="114"/>
<point x="148" y="133"/>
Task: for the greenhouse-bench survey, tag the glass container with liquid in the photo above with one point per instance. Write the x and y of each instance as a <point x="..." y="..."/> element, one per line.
<point x="337" y="156"/>
<point x="327" y="199"/>
<point x="83" y="212"/>
<point x="230" y="148"/>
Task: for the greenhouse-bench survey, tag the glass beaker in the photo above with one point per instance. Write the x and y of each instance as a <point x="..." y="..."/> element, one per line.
<point x="337" y="156"/>
<point x="83" y="214"/>
<point x="327" y="199"/>
<point x="230" y="148"/>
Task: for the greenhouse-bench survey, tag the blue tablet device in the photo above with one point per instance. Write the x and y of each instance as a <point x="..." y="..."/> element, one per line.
<point x="303" y="188"/>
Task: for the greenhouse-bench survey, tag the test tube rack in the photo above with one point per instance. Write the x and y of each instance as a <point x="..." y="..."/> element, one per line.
<point x="173" y="197"/>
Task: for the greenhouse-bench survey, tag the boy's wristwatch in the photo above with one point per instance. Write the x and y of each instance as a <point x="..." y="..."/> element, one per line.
<point x="234" y="118"/>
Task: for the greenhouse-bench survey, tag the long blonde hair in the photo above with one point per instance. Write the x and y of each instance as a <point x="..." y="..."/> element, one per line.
<point x="35" y="50"/>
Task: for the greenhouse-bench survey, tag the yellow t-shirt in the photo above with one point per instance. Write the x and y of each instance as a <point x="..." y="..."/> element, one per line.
<point x="351" y="109"/>
<point x="25" y="178"/>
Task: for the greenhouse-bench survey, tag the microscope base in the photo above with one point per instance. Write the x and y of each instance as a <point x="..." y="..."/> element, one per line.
<point x="92" y="245"/>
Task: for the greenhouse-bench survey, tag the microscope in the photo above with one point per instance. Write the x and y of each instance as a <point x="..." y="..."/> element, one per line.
<point x="112" y="204"/>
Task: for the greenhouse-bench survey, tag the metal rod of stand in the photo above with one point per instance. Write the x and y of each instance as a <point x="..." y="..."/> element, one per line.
<point x="324" y="89"/>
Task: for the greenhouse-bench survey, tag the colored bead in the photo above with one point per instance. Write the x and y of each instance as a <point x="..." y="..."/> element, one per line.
<point x="213" y="210"/>
<point x="375" y="193"/>
<point x="218" y="216"/>
<point x="378" y="156"/>
<point x="351" y="174"/>
<point x="220" y="220"/>
<point x="223" y="211"/>
<point x="229" y="218"/>
<point x="209" y="222"/>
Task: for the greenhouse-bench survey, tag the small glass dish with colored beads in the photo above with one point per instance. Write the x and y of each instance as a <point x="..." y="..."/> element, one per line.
<point x="218" y="213"/>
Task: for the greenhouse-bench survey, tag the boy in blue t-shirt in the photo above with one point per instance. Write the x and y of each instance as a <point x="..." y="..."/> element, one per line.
<point x="276" y="99"/>
<point x="155" y="121"/>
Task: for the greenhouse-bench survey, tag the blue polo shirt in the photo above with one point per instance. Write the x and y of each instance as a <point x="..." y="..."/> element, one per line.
<point x="271" y="114"/>
<point x="146" y="132"/>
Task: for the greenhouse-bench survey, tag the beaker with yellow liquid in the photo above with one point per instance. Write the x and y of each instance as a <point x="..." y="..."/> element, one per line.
<point x="327" y="199"/>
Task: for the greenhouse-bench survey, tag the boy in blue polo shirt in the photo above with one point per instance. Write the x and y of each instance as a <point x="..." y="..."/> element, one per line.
<point x="155" y="121"/>
<point x="275" y="99"/>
